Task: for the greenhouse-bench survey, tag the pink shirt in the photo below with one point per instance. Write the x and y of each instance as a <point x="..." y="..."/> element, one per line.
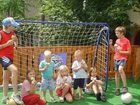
<point x="25" y="88"/>
<point x="122" y="45"/>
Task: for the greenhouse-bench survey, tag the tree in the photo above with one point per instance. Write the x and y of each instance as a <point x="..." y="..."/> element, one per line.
<point x="14" y="8"/>
<point x="114" y="12"/>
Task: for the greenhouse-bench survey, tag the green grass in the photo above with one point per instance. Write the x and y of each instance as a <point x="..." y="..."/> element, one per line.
<point x="134" y="89"/>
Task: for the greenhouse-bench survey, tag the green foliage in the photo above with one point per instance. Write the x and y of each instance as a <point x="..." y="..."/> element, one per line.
<point x="14" y="8"/>
<point x="113" y="12"/>
<point x="56" y="10"/>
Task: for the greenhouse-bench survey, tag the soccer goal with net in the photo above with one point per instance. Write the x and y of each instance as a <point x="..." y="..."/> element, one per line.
<point x="62" y="37"/>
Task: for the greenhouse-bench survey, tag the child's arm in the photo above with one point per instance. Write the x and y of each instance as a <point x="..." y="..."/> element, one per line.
<point x="125" y="52"/>
<point x="84" y="65"/>
<point x="111" y="46"/>
<point x="14" y="38"/>
<point x="90" y="84"/>
<point x="99" y="82"/>
<point x="8" y="43"/>
<point x="33" y="87"/>
<point x="41" y="68"/>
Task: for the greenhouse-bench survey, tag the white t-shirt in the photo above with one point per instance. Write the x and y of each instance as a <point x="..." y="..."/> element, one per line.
<point x="81" y="73"/>
<point x="60" y="80"/>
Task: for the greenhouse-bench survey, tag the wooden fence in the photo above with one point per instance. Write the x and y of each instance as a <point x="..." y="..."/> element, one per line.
<point x="28" y="57"/>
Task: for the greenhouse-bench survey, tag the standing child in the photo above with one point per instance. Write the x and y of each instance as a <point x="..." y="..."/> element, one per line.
<point x="79" y="68"/>
<point x="7" y="40"/>
<point x="96" y="85"/>
<point x="47" y="70"/>
<point x="63" y="84"/>
<point x="28" y="90"/>
<point x="122" y="49"/>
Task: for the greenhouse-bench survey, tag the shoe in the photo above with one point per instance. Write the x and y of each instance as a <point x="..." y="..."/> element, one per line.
<point x="98" y="96"/>
<point x="81" y="97"/>
<point x="61" y="99"/>
<point x="103" y="98"/>
<point x="5" y="99"/>
<point x="17" y="99"/>
<point x="52" y="99"/>
<point x="75" y="98"/>
<point x="117" y="92"/>
<point x="124" y="90"/>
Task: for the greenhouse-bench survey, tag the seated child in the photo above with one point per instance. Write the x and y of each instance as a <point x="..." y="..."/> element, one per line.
<point x="96" y="85"/>
<point x="63" y="84"/>
<point x="28" y="90"/>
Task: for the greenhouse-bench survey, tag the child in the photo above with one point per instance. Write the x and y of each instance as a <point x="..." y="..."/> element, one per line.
<point x="7" y="41"/>
<point x="122" y="49"/>
<point x="47" y="69"/>
<point x="96" y="85"/>
<point x="63" y="84"/>
<point x="28" y="90"/>
<point x="79" y="68"/>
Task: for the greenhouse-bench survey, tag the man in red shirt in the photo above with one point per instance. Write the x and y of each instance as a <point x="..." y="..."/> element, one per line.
<point x="7" y="41"/>
<point x="122" y="49"/>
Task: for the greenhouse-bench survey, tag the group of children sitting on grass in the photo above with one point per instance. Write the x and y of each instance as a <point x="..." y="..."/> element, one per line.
<point x="61" y="81"/>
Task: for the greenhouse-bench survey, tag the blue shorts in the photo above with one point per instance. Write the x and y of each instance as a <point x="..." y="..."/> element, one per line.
<point x="5" y="62"/>
<point x="47" y="84"/>
<point x="118" y="63"/>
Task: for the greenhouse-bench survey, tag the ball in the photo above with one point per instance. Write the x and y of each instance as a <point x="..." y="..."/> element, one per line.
<point x="126" y="98"/>
<point x="11" y="102"/>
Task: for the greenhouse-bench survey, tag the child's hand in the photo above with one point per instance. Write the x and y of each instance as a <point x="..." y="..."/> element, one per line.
<point x="14" y="38"/>
<point x="33" y="81"/>
<point x="46" y="66"/>
<point x="110" y="41"/>
<point x="65" y="78"/>
<point x="10" y="42"/>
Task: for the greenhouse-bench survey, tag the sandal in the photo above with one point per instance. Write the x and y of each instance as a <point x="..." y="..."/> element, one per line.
<point x="117" y="92"/>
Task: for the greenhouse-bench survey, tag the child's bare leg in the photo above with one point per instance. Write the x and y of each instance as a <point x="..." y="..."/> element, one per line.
<point x="123" y="76"/>
<point x="52" y="97"/>
<point x="44" y="95"/>
<point x="6" y="75"/>
<point x="65" y="90"/>
<point x="117" y="79"/>
<point x="14" y="73"/>
<point x="68" y="97"/>
<point x="81" y="93"/>
<point x="74" y="92"/>
<point x="101" y="89"/>
<point x="95" y="89"/>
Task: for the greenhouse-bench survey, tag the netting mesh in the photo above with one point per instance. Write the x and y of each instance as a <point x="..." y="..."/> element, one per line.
<point x="62" y="37"/>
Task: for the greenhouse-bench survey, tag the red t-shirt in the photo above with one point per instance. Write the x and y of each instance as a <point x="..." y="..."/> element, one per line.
<point x="122" y="45"/>
<point x="9" y="50"/>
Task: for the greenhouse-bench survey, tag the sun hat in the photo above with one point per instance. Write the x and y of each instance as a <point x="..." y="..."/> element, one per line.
<point x="9" y="21"/>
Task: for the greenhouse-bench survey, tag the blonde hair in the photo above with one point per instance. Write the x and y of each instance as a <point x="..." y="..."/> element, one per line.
<point x="63" y="68"/>
<point x="78" y="52"/>
<point x="47" y="53"/>
<point x="121" y="29"/>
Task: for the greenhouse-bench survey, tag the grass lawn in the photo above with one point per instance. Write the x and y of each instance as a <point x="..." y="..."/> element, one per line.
<point x="134" y="89"/>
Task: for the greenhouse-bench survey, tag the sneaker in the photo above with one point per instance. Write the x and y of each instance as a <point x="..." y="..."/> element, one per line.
<point x="81" y="97"/>
<point x="17" y="99"/>
<point x="61" y="99"/>
<point x="117" y="92"/>
<point x="124" y="90"/>
<point x="75" y="98"/>
<point x="5" y="99"/>
<point x="103" y="98"/>
<point x="98" y="96"/>
<point x="52" y="99"/>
